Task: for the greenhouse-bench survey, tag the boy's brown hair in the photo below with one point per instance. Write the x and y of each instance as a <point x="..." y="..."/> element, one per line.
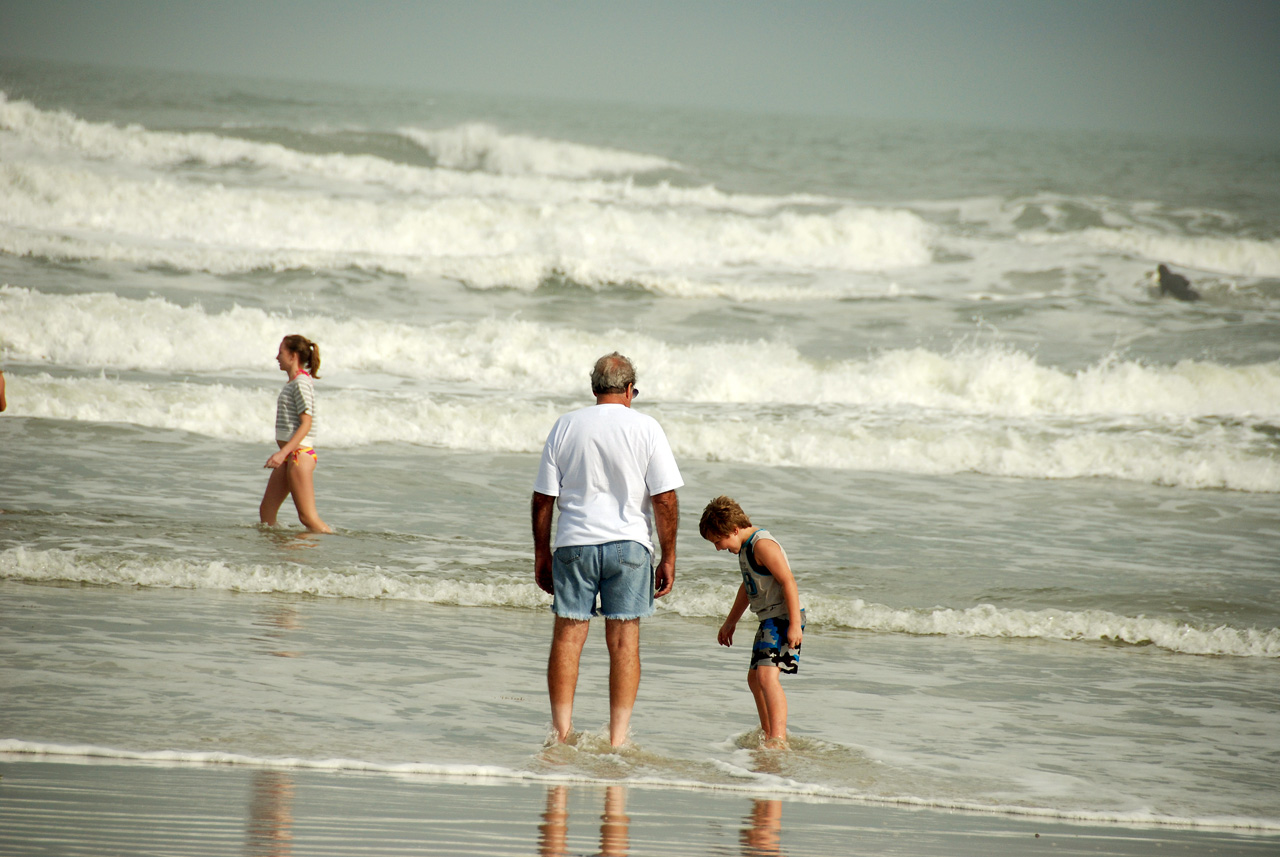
<point x="722" y="516"/>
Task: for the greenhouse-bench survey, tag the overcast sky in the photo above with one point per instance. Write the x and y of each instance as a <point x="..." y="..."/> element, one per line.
<point x="1147" y="65"/>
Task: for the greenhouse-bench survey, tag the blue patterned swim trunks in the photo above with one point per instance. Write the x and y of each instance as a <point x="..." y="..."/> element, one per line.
<point x="770" y="648"/>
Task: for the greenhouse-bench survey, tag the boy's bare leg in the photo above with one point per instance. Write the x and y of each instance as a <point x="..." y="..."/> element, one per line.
<point x="773" y="715"/>
<point x="623" y="639"/>
<point x="762" y="704"/>
<point x="567" y="640"/>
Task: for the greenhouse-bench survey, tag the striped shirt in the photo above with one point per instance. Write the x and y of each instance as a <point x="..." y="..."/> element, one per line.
<point x="298" y="397"/>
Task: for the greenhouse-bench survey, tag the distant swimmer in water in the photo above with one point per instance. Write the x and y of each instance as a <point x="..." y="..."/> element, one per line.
<point x="294" y="464"/>
<point x="1175" y="284"/>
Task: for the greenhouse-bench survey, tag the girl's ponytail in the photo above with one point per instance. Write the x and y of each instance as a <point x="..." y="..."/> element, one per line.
<point x="308" y="352"/>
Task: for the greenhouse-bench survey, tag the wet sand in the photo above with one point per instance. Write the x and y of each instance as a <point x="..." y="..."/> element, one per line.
<point x="83" y="807"/>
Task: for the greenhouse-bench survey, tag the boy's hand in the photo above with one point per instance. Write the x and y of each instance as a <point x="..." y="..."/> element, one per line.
<point x="725" y="637"/>
<point x="794" y="636"/>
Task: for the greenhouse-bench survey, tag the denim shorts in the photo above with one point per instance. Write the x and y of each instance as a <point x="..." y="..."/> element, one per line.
<point x="614" y="580"/>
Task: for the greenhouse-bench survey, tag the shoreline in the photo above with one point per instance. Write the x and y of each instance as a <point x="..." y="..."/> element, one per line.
<point x="18" y="752"/>
<point x="151" y="808"/>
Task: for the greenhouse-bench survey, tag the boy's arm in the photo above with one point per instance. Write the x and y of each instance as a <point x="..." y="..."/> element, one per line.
<point x="725" y="637"/>
<point x="770" y="555"/>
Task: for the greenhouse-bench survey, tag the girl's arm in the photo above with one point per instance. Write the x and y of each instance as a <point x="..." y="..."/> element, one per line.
<point x="770" y="555"/>
<point x="725" y="637"/>
<point x="294" y="441"/>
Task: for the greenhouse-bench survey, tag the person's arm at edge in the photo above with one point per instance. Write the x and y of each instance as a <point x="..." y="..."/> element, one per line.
<point x="725" y="636"/>
<point x="541" y="510"/>
<point x="666" y="515"/>
<point x="769" y="554"/>
<point x="3" y="402"/>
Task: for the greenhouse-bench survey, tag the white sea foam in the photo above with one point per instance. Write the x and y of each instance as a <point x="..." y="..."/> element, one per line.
<point x="65" y="212"/>
<point x="105" y="331"/>
<point x="480" y="146"/>
<point x="984" y="410"/>
<point x="122" y="570"/>
<point x="79" y="190"/>
<point x="744" y="781"/>
<point x="1194" y="455"/>
<point x="987" y="620"/>
<point x="38" y="137"/>
<point x="693" y="600"/>
<point x="1244" y="257"/>
<point x="1079" y="227"/>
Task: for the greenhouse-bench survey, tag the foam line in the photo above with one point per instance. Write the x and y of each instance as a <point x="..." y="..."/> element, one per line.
<point x="750" y="783"/>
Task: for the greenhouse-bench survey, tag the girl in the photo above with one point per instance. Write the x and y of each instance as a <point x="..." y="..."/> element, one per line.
<point x="293" y="466"/>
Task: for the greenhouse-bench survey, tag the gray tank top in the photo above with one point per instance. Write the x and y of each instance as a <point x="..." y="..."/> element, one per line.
<point x="764" y="593"/>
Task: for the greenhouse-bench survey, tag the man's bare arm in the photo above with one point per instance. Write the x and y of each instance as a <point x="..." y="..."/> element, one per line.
<point x="666" y="515"/>
<point x="541" y="510"/>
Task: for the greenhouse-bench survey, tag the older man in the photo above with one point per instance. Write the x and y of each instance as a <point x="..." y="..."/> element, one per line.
<point x="610" y="472"/>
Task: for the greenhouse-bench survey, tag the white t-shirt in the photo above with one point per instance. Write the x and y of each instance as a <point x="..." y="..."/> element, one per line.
<point x="603" y="463"/>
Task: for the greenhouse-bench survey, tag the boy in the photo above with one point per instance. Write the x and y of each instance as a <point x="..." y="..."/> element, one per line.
<point x="770" y="588"/>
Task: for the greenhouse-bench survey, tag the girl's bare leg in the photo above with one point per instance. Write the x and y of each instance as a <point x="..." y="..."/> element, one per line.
<point x="273" y="496"/>
<point x="302" y="487"/>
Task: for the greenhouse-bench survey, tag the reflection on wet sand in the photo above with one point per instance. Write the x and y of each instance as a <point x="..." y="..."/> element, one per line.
<point x="279" y="621"/>
<point x="270" y="815"/>
<point x="615" y="835"/>
<point x="289" y="539"/>
<point x="762" y="830"/>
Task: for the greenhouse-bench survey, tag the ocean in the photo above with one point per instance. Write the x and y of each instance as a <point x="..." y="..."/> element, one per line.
<point x="1030" y="503"/>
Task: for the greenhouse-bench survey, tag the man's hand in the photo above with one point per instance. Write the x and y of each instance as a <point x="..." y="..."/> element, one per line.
<point x="664" y="577"/>
<point x="542" y="574"/>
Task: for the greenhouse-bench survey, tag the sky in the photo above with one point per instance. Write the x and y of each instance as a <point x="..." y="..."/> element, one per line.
<point x="1163" y="66"/>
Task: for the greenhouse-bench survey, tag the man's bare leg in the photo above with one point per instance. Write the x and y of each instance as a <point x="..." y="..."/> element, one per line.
<point x="567" y="641"/>
<point x="623" y="639"/>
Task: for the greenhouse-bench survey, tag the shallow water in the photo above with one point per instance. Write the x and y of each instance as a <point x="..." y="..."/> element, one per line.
<point x="1030" y="504"/>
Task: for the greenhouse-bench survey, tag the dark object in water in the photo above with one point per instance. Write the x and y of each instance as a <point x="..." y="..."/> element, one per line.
<point x="1176" y="285"/>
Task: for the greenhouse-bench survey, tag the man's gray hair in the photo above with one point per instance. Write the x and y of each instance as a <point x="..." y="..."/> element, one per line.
<point x="612" y="374"/>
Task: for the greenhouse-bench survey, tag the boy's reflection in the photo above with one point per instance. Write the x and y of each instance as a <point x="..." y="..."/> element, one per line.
<point x="270" y="815"/>
<point x="762" y="832"/>
<point x="553" y="833"/>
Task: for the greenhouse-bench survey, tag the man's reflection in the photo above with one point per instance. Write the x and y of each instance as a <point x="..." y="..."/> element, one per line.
<point x="270" y="815"/>
<point x="615" y="835"/>
<point x="762" y="830"/>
